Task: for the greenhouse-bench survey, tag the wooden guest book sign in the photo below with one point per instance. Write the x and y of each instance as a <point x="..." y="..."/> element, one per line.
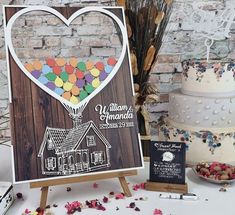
<point x="167" y="166"/>
<point x="70" y="116"/>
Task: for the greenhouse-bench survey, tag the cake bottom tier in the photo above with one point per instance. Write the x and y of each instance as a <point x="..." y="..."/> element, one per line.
<point x="201" y="146"/>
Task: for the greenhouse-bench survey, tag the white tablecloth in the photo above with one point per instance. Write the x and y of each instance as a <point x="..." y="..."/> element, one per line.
<point x="211" y="200"/>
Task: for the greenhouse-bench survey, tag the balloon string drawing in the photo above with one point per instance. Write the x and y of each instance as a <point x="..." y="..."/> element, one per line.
<point x="74" y="83"/>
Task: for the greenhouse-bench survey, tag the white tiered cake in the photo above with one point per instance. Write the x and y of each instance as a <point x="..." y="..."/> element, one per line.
<point x="202" y="112"/>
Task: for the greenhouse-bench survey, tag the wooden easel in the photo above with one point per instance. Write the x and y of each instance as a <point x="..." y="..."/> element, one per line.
<point x="45" y="184"/>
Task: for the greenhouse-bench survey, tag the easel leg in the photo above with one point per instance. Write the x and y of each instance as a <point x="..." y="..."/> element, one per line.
<point x="125" y="187"/>
<point x="44" y="194"/>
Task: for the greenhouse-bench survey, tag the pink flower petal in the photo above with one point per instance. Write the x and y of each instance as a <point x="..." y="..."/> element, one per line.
<point x="157" y="212"/>
<point x="27" y="211"/>
<point x="142" y="185"/>
<point x="139" y="186"/>
<point x="105" y="199"/>
<point x="101" y="208"/>
<point x="95" y="185"/>
<point x="119" y="196"/>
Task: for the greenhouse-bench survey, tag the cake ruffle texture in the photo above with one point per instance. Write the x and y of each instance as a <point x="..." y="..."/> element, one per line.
<point x="208" y="79"/>
<point x="199" y="113"/>
<point x="201" y="145"/>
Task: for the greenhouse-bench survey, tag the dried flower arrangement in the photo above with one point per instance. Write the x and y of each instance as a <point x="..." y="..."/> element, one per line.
<point x="146" y="22"/>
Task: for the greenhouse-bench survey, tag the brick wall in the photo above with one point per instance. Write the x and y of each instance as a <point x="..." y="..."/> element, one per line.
<point x="92" y="35"/>
<point x="180" y="43"/>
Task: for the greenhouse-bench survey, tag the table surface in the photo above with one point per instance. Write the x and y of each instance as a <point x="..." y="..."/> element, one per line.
<point x="211" y="200"/>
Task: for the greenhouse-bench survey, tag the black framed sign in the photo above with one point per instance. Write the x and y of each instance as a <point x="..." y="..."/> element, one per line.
<point x="167" y="162"/>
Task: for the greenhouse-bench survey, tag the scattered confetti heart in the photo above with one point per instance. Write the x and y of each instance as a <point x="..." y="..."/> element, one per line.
<point x="61" y="77"/>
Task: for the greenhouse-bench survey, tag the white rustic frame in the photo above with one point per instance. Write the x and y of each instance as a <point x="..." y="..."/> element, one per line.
<point x="125" y="49"/>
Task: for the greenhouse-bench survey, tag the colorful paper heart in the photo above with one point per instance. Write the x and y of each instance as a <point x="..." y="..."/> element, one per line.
<point x="73" y="83"/>
<point x="70" y="81"/>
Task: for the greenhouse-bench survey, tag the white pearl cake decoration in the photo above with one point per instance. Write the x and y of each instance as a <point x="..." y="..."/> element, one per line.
<point x="202" y="112"/>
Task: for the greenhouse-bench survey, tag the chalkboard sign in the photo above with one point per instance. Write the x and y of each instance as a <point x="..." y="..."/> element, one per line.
<point x="167" y="162"/>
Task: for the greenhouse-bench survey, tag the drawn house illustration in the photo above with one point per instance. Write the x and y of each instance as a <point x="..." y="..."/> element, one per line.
<point x="68" y="151"/>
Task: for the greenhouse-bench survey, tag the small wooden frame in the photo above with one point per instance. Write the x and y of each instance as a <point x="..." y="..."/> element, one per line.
<point x="166" y="187"/>
<point x="45" y="184"/>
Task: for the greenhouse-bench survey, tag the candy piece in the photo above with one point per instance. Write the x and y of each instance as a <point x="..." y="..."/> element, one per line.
<point x="66" y="95"/>
<point x="89" y="78"/>
<point x="95" y="72"/>
<point x="74" y="100"/>
<point x="69" y="69"/>
<point x="29" y="67"/>
<point x="57" y="70"/>
<point x="80" y="83"/>
<point x="89" y="65"/>
<point x="43" y="80"/>
<point x="72" y="78"/>
<point x="50" y="62"/>
<point x="51" y="76"/>
<point x="108" y="69"/>
<point x="67" y="86"/>
<point x="50" y="85"/>
<point x="59" y="91"/>
<point x="46" y="69"/>
<point x="99" y="66"/>
<point x="83" y="95"/>
<point x="37" y="65"/>
<point x="73" y="62"/>
<point x="103" y="76"/>
<point x="112" y="61"/>
<point x="89" y="88"/>
<point x="36" y="74"/>
<point x="59" y="82"/>
<point x="81" y="66"/>
<point x="75" y="90"/>
<point x="64" y="76"/>
<point x="79" y="74"/>
<point x="96" y="83"/>
<point x="60" y="61"/>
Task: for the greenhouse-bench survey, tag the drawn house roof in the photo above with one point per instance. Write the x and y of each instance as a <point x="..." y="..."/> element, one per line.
<point x="57" y="135"/>
<point x="76" y="135"/>
<point x="69" y="139"/>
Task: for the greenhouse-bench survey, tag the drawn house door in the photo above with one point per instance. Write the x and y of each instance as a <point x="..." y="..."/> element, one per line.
<point x="82" y="160"/>
<point x="85" y="159"/>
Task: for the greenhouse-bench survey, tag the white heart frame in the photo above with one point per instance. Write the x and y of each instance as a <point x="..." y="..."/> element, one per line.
<point x="9" y="45"/>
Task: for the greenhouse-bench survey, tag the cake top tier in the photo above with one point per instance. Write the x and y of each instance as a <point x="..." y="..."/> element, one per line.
<point x="208" y="79"/>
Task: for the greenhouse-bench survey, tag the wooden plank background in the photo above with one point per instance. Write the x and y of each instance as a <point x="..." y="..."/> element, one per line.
<point x="32" y="110"/>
